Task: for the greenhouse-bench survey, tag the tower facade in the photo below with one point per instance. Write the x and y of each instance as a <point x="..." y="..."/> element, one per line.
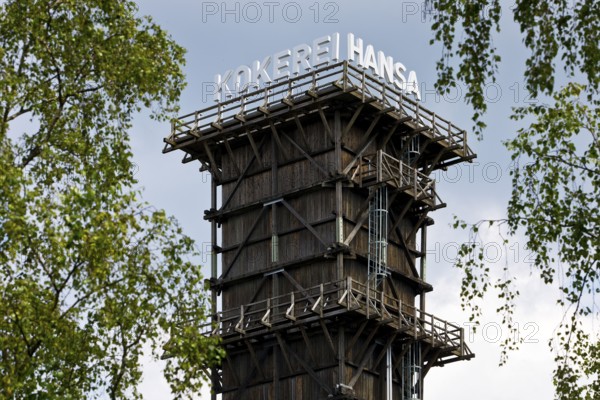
<point x="321" y="194"/>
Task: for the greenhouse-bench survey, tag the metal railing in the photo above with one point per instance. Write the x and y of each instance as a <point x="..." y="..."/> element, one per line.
<point x="251" y="105"/>
<point x="406" y="317"/>
<point x="327" y="299"/>
<point x="383" y="168"/>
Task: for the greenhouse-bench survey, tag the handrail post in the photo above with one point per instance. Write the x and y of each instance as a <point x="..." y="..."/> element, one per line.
<point x="368" y="299"/>
<point x="348" y="293"/>
<point x="364" y="85"/>
<point x="400" y="313"/>
<point x="415" y="182"/>
<point x="432" y="325"/>
<point x="446" y="330"/>
<point x="322" y="301"/>
<point x="417" y="111"/>
<point x="239" y="327"/>
<point x="400" y="104"/>
<point x="379" y="166"/>
<point x="345" y="76"/>
<point x="349" y="289"/>
<point x="290" y="312"/>
<point x="400" y="173"/>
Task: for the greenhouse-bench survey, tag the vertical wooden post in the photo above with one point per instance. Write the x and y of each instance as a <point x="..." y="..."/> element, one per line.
<point x="345" y="76"/>
<point x="214" y="274"/>
<point x="423" y="271"/>
<point x="364" y="85"/>
<point x="275" y="249"/>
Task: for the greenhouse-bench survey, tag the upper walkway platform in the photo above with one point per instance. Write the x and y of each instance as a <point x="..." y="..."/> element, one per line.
<point x="257" y="110"/>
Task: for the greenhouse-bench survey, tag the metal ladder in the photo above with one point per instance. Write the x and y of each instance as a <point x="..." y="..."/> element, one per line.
<point x="378" y="226"/>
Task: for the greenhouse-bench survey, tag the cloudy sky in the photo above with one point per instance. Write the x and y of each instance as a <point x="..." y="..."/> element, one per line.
<point x="220" y="36"/>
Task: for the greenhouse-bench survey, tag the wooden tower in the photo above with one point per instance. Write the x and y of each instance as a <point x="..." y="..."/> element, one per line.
<point x="325" y="192"/>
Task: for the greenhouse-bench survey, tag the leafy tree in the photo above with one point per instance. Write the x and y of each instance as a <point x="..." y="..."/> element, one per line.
<point x="89" y="274"/>
<point x="556" y="180"/>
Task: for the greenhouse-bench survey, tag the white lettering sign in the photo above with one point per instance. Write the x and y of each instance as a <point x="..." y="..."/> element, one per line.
<point x="304" y="57"/>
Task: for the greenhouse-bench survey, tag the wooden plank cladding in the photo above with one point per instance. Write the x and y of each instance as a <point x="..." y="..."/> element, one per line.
<point x="315" y="191"/>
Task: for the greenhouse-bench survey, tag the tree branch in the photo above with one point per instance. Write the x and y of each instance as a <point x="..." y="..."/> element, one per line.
<point x="569" y="163"/>
<point x="18" y="114"/>
<point x="116" y="381"/>
<point x="36" y="149"/>
<point x="24" y="54"/>
<point x="88" y="295"/>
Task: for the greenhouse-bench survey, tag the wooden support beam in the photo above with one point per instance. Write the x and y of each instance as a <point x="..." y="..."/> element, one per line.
<point x="422" y="147"/>
<point x="214" y="167"/>
<point x="239" y="395"/>
<point x="293" y="193"/>
<point x="290" y="161"/>
<point x="415" y="228"/>
<point x="407" y="206"/>
<point x="326" y="124"/>
<point x="362" y="217"/>
<point x="389" y="135"/>
<point x="284" y="352"/>
<point x="236" y="380"/>
<point x="328" y="338"/>
<point x="401" y="238"/>
<point x="388" y="343"/>
<point x="230" y="153"/>
<point x="358" y="155"/>
<point x="311" y="372"/>
<point x="369" y="340"/>
<point x="257" y="291"/>
<point x="243" y="244"/>
<point x="370" y="128"/>
<point x="431" y="362"/>
<point x="309" y="347"/>
<point x="353" y="119"/>
<point x="362" y="365"/>
<point x="356" y="336"/>
<point x="254" y="359"/>
<point x="304" y="222"/>
<point x="278" y="140"/>
<point x="401" y="355"/>
<point x="395" y="290"/>
<point x="288" y="265"/>
<point x="239" y="179"/>
<point x="254" y="147"/>
<point x="425" y="349"/>
<point x="306" y="155"/>
<point x="298" y="287"/>
<point x="268" y="236"/>
<point x="436" y="160"/>
<point x="366" y="142"/>
<point x="302" y="133"/>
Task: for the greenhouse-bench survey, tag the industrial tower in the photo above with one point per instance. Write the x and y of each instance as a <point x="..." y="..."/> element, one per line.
<point x="325" y="192"/>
